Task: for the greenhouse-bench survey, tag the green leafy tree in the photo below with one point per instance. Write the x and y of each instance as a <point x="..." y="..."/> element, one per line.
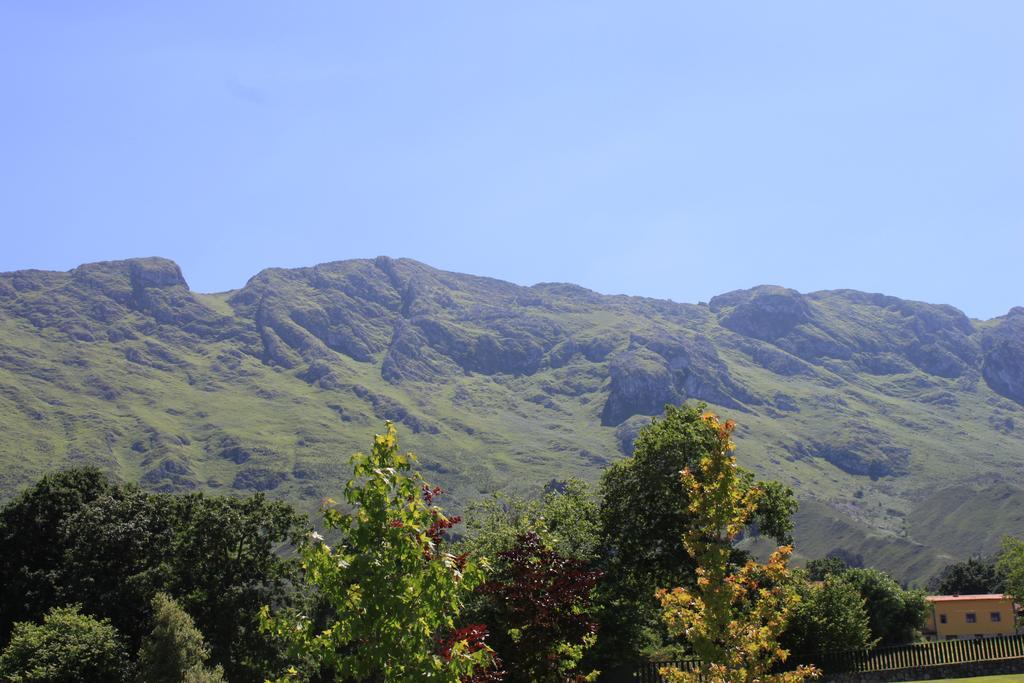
<point x="174" y="651"/>
<point x="31" y="550"/>
<point x="217" y="556"/>
<point x="76" y="538"/>
<point x="734" y="615"/>
<point x="830" y="616"/>
<point x="565" y="518"/>
<point x="68" y="647"/>
<point x="391" y="590"/>
<point x="116" y="550"/>
<point x="824" y="567"/>
<point x="972" y="577"/>
<point x="228" y="559"/>
<point x="644" y="512"/>
<point x="895" y="615"/>
<point x="1010" y="566"/>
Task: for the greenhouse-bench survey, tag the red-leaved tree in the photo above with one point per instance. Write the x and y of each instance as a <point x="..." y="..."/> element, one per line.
<point x="542" y="611"/>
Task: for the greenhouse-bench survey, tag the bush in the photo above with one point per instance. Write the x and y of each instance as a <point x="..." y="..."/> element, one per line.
<point x="68" y="647"/>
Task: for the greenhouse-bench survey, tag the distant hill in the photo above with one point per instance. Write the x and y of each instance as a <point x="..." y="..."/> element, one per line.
<point x="900" y="424"/>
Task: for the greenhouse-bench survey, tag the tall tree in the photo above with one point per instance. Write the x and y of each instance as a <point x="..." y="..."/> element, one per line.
<point x="391" y="590"/>
<point x="734" y="616"/>
<point x="31" y="550"/>
<point x="174" y="651"/>
<point x="229" y="557"/>
<point x="116" y="550"/>
<point x="645" y="511"/>
<point x="75" y="537"/>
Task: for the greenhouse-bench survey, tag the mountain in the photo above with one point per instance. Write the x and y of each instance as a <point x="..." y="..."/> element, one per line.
<point x="895" y="421"/>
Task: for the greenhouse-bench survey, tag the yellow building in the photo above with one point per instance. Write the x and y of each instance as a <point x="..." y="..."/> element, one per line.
<point x="959" y="617"/>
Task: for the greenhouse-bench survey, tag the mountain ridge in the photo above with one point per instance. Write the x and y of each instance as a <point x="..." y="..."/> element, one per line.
<point x="863" y="402"/>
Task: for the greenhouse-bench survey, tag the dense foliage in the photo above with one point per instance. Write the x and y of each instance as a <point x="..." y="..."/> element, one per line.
<point x="68" y="647"/>
<point x="543" y="601"/>
<point x="1010" y="566"/>
<point x="32" y="544"/>
<point x="645" y="511"/>
<point x="829" y="616"/>
<point x="824" y="567"/>
<point x="565" y="518"/>
<point x="547" y="589"/>
<point x="174" y="651"/>
<point x="391" y="589"/>
<point x="895" y="615"/>
<point x="75" y="537"/>
<point x="733" y="616"/>
<point x="973" y="576"/>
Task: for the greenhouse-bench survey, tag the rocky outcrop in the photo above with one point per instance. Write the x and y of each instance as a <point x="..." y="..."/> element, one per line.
<point x="641" y="383"/>
<point x="1003" y="367"/>
<point x="767" y="313"/>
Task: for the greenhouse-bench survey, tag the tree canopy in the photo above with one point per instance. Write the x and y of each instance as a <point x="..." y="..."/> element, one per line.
<point x="733" y="616"/>
<point x="68" y="647"/>
<point x="645" y="512"/>
<point x="390" y="590"/>
<point x="174" y="651"/>
<point x="973" y="576"/>
<point x="76" y="537"/>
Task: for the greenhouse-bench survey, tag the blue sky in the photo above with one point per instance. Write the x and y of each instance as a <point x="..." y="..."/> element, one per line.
<point x="675" y="150"/>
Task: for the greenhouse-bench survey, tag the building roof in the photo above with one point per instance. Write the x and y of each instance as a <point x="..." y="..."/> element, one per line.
<point x="983" y="596"/>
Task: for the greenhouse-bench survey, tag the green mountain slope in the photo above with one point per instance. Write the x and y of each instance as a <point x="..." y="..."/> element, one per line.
<point x="895" y="421"/>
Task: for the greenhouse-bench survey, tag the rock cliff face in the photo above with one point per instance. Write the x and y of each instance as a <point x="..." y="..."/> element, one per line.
<point x="269" y="387"/>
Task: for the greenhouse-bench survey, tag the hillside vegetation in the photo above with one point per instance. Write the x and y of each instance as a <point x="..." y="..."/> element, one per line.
<point x="895" y="421"/>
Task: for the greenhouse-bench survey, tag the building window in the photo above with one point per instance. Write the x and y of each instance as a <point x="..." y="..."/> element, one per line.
<point x="942" y="618"/>
<point x="971" y="617"/>
<point x="996" y="616"/>
<point x="950" y="637"/>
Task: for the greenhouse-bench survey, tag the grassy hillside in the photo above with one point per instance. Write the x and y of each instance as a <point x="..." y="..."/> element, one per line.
<point x="895" y="421"/>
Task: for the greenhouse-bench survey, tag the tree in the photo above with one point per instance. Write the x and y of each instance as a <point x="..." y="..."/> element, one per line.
<point x="225" y="564"/>
<point x="1011" y="566"/>
<point x="972" y="577"/>
<point x="116" y="552"/>
<point x="895" y="616"/>
<point x="391" y="591"/>
<point x="175" y="650"/>
<point x="542" y="601"/>
<point x="74" y="537"/>
<point x="645" y="511"/>
<point x="31" y="552"/>
<point x="565" y="518"/>
<point x="734" y="616"/>
<point x="68" y="647"/>
<point x="822" y="568"/>
<point x="830" y="616"/>
<point x="217" y="556"/>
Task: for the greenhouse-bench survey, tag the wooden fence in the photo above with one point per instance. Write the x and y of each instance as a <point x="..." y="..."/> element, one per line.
<point x="884" y="658"/>
<point x="648" y="673"/>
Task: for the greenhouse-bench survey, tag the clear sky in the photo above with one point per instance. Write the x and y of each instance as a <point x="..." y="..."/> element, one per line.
<point x="675" y="150"/>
